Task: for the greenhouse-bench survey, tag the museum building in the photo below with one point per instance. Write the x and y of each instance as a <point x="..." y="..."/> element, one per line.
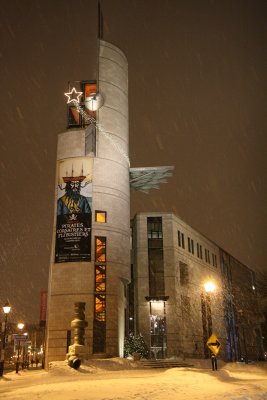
<point x="146" y="276"/>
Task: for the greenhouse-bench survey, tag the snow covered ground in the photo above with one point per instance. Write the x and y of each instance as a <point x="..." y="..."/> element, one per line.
<point x="120" y="379"/>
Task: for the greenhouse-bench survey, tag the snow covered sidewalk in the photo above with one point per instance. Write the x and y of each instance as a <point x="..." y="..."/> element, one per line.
<point x="119" y="379"/>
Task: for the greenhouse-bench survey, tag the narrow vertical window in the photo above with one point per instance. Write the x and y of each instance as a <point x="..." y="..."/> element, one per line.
<point x="100" y="278"/>
<point x="155" y="256"/>
<point x="189" y="244"/>
<point x="182" y="240"/>
<point x="99" y="326"/>
<point x="184" y="274"/>
<point x="214" y="260"/>
<point x="100" y="249"/>
<point x="207" y="256"/>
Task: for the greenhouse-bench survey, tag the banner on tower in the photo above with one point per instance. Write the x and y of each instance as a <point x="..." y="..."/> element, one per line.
<point x="74" y="204"/>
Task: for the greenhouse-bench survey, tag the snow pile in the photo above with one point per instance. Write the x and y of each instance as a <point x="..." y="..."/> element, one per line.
<point x="120" y="379"/>
<point x="92" y="366"/>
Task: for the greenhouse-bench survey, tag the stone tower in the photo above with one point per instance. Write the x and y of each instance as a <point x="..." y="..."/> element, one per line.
<point x="90" y="260"/>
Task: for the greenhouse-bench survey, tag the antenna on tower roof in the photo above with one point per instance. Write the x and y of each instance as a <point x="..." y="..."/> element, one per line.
<point x="100" y="21"/>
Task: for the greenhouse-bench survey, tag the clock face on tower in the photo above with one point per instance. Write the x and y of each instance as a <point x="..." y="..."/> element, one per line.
<point x="94" y="101"/>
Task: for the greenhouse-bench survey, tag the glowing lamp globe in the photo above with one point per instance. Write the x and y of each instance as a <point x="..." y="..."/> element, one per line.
<point x="209" y="287"/>
<point x="7" y="308"/>
<point x="94" y="101"/>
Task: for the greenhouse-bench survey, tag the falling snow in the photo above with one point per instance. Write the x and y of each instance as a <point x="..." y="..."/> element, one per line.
<point x="197" y="101"/>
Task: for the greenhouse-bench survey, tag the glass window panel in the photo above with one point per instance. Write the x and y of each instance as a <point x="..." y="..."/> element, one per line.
<point x="100" y="249"/>
<point x="100" y="287"/>
<point x="101" y="258"/>
<point x="101" y="216"/>
<point x="100" y="305"/>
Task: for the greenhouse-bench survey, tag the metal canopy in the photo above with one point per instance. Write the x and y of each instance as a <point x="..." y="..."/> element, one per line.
<point x="144" y="179"/>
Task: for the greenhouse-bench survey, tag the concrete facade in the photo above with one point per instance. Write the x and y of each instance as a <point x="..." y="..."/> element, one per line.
<point x="244" y="317"/>
<point x="187" y="266"/>
<point x="71" y="282"/>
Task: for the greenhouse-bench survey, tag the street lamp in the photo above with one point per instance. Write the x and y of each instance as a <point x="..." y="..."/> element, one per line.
<point x="6" y="309"/>
<point x="20" y="326"/>
<point x="242" y="324"/>
<point x="209" y="287"/>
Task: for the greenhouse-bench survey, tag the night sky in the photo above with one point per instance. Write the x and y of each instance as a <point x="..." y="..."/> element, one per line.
<point x="197" y="101"/>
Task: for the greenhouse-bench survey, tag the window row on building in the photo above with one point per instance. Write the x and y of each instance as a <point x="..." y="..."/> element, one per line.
<point x="199" y="252"/>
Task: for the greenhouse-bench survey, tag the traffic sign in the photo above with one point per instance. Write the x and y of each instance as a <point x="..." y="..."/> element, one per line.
<point x="20" y="337"/>
<point x="214" y="344"/>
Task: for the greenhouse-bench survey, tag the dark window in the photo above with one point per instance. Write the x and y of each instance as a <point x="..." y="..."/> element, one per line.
<point x="207" y="256"/>
<point x="200" y="251"/>
<point x="189" y="244"/>
<point x="192" y="246"/>
<point x="198" y="254"/>
<point x="179" y="239"/>
<point x="184" y="274"/>
<point x="182" y="240"/>
<point x="185" y="307"/>
<point x="155" y="256"/>
<point x="154" y="227"/>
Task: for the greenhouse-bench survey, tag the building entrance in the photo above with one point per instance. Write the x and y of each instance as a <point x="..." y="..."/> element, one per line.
<point x="158" y="328"/>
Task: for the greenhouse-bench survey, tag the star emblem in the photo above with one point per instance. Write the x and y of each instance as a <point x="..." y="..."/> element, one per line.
<point x="73" y="96"/>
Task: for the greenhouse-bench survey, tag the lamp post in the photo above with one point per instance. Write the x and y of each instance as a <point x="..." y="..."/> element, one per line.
<point x="242" y="324"/>
<point x="6" y="309"/>
<point x="209" y="287"/>
<point x="20" y="326"/>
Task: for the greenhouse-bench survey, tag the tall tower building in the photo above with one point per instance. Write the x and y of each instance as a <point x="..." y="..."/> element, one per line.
<point x="90" y="259"/>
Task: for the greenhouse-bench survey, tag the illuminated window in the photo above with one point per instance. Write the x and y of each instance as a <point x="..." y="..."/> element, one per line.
<point x="100" y="307"/>
<point x="76" y="118"/>
<point x="100" y="278"/>
<point x="99" y="326"/>
<point x="100" y="249"/>
<point x="101" y="216"/>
